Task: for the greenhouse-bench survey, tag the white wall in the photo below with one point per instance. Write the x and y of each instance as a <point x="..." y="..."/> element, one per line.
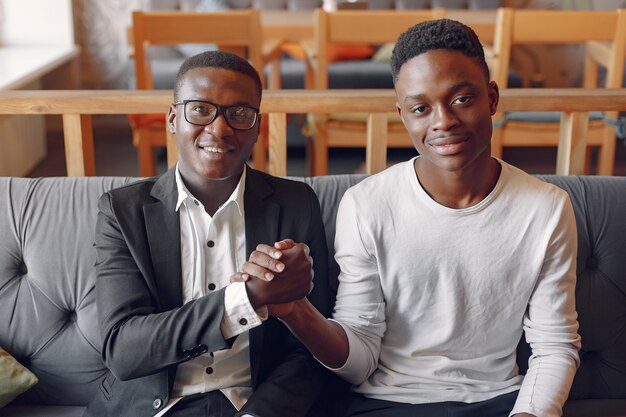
<point x="36" y="22"/>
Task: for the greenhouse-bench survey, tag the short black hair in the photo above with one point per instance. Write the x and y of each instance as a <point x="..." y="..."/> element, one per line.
<point x="217" y="59"/>
<point x="436" y="34"/>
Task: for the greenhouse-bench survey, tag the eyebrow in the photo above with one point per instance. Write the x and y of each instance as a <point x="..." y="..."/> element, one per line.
<point x="239" y="103"/>
<point x="457" y="86"/>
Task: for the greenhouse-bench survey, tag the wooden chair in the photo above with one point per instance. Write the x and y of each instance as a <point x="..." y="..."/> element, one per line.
<point x="599" y="54"/>
<point x="237" y="31"/>
<point x="558" y="27"/>
<point x="352" y="27"/>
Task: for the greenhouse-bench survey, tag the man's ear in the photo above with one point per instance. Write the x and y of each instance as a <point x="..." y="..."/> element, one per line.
<point x="494" y="97"/>
<point x="399" y="110"/>
<point x="171" y="119"/>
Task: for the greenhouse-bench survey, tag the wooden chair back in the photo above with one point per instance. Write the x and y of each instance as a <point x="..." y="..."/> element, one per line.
<point x="559" y="27"/>
<point x="231" y="30"/>
<point x="236" y="31"/>
<point x="355" y="27"/>
<point x="374" y="27"/>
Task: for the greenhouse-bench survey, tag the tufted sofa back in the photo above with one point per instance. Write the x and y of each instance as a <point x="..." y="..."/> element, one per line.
<point x="48" y="318"/>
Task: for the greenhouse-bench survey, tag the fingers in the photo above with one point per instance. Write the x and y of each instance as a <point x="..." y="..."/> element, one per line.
<point x="285" y="244"/>
<point x="269" y="250"/>
<point x="239" y="277"/>
<point x="255" y="270"/>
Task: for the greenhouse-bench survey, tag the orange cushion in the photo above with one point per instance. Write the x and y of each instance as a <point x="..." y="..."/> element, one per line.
<point x="141" y="120"/>
<point x="335" y="52"/>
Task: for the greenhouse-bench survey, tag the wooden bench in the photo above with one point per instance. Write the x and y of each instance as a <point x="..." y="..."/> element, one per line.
<point x="77" y="106"/>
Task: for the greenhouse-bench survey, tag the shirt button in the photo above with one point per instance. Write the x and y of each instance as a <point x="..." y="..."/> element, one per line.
<point x="243" y="322"/>
<point x="212" y="286"/>
<point x="210" y="243"/>
<point x="196" y="202"/>
<point x="156" y="404"/>
<point x="209" y="370"/>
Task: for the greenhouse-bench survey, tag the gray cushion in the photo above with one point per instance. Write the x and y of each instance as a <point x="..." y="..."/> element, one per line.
<point x="47" y="303"/>
<point x="342" y="74"/>
<point x="544" y="116"/>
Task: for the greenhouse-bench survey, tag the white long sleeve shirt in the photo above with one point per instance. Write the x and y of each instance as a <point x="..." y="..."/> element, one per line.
<point x="434" y="300"/>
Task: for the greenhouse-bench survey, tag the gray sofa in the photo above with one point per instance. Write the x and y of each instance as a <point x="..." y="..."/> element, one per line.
<point x="48" y="314"/>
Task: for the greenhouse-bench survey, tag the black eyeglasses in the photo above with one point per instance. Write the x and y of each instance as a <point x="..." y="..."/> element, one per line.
<point x="202" y="113"/>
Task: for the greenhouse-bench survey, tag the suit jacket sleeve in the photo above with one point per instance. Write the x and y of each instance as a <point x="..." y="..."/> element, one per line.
<point x="139" y="338"/>
<point x="293" y="385"/>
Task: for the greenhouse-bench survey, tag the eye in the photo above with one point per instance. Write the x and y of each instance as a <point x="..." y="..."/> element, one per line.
<point x="420" y="108"/>
<point x="201" y="108"/>
<point x="462" y="100"/>
<point x="239" y="112"/>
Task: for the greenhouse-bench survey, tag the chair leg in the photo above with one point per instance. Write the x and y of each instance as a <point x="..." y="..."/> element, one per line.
<point x="606" y="157"/>
<point x="496" y="142"/>
<point x="145" y="154"/>
<point x="588" y="160"/>
<point x="259" y="154"/>
<point x="319" y="154"/>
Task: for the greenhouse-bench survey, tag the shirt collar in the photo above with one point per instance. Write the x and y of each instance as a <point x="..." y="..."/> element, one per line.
<point x="237" y="196"/>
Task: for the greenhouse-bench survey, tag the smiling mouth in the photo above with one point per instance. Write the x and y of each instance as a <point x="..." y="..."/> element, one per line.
<point x="448" y="146"/>
<point x="215" y="149"/>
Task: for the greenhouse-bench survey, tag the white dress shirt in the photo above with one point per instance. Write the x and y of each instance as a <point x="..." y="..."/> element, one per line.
<point x="434" y="299"/>
<point x="212" y="249"/>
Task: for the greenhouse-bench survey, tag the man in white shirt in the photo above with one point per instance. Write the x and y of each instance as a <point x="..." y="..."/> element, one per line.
<point x="178" y="337"/>
<point x="447" y="259"/>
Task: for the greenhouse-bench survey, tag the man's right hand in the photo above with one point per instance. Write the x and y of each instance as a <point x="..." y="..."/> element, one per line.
<point x="284" y="272"/>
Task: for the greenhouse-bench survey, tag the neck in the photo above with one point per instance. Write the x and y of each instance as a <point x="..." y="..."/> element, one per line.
<point x="212" y="193"/>
<point x="461" y="188"/>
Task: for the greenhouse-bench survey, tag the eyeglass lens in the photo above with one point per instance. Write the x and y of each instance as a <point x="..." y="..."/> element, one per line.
<point x="203" y="113"/>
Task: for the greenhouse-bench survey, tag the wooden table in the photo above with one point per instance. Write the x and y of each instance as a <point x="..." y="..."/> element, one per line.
<point x="23" y="137"/>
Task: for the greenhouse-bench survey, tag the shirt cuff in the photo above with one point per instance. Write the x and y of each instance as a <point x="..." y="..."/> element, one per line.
<point x="239" y="316"/>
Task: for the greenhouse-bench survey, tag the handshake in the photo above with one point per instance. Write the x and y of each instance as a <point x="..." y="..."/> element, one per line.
<point x="277" y="276"/>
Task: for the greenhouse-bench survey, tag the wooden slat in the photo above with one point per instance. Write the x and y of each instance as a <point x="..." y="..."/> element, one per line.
<point x="278" y="143"/>
<point x="79" y="155"/>
<point x="570" y="158"/>
<point x="296" y="101"/>
<point x="374" y="27"/>
<point x="376" y="149"/>
<point x="573" y="26"/>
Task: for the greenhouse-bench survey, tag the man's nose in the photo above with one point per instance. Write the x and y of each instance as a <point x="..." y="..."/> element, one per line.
<point x="444" y="118"/>
<point x="219" y="126"/>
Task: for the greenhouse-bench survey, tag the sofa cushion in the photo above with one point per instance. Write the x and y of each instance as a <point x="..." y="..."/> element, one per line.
<point x="14" y="378"/>
<point x="599" y="206"/>
<point x="49" y="321"/>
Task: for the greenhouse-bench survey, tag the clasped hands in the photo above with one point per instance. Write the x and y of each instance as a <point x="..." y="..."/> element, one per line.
<point x="277" y="276"/>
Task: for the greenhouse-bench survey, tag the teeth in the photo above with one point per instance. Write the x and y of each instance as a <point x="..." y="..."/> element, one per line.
<point x="214" y="149"/>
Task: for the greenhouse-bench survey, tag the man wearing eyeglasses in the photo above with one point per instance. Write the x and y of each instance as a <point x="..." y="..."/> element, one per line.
<point x="178" y="337"/>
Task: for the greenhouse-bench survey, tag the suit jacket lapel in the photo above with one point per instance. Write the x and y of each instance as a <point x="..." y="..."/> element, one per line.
<point x="262" y="218"/>
<point x="163" y="230"/>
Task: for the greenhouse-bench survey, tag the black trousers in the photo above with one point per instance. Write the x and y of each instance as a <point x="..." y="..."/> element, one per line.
<point x="208" y="404"/>
<point x="362" y="406"/>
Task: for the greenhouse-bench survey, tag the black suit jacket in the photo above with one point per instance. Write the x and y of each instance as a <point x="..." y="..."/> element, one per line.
<point x="147" y="331"/>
